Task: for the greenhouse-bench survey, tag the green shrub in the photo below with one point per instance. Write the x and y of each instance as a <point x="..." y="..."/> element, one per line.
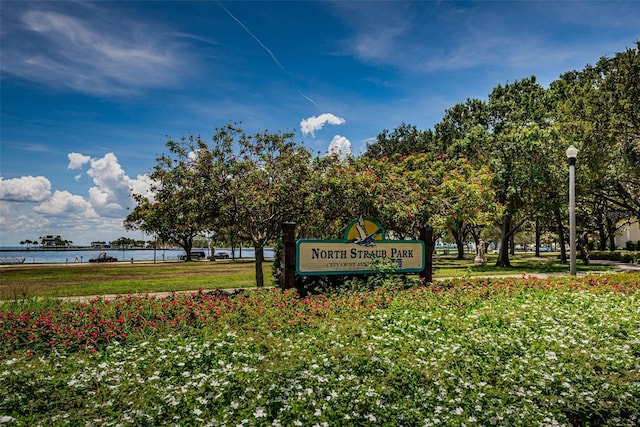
<point x="633" y="246"/>
<point x="620" y="256"/>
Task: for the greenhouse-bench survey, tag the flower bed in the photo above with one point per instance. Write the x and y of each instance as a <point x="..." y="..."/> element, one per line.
<point x="483" y="352"/>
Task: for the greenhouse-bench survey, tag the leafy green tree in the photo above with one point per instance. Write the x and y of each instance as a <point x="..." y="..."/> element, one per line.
<point x="620" y="90"/>
<point x="597" y="111"/>
<point x="264" y="185"/>
<point x="414" y="190"/>
<point x="462" y="126"/>
<point x="183" y="201"/>
<point x="338" y="193"/>
<point x="468" y="202"/>
<point x="509" y="133"/>
<point x="403" y="192"/>
<point x="123" y="242"/>
<point x="403" y="140"/>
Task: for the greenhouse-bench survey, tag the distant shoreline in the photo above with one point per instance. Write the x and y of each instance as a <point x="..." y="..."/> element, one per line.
<point x="81" y="248"/>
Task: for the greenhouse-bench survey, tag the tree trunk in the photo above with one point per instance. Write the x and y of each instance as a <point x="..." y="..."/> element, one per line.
<point x="459" y="244"/>
<point x="505" y="237"/>
<point x="232" y="239"/>
<point x="512" y="243"/>
<point x="560" y="228"/>
<point x="537" y="238"/>
<point x="602" y="234"/>
<point x="188" y="245"/>
<point x="259" y="260"/>
<point x="611" y="235"/>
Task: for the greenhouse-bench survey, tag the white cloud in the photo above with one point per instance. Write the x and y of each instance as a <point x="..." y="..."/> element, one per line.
<point x="77" y="160"/>
<point x="25" y="189"/>
<point x="314" y="123"/>
<point x="339" y="145"/>
<point x="141" y="185"/>
<point x="96" y="215"/>
<point x="112" y="193"/>
<point x="64" y="203"/>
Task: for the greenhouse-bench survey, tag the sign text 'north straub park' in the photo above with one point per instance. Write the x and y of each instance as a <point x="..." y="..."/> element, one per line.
<point x="363" y="244"/>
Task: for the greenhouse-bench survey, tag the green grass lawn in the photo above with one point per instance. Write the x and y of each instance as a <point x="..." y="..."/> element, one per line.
<point x="19" y="282"/>
<point x="48" y="280"/>
<point x="449" y="266"/>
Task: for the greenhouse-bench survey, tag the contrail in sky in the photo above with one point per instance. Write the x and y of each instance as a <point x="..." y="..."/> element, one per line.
<point x="273" y="56"/>
<point x="309" y="99"/>
<point x="253" y="35"/>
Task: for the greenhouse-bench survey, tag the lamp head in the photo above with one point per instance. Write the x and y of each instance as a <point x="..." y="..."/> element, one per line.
<point x="572" y="152"/>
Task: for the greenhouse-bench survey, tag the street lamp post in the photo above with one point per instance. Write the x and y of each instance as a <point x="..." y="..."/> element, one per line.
<point x="572" y="153"/>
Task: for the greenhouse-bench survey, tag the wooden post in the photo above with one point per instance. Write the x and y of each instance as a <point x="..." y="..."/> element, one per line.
<point x="426" y="235"/>
<point x="288" y="262"/>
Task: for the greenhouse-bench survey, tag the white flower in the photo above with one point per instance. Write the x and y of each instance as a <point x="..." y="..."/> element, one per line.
<point x="197" y="411"/>
<point x="6" y="419"/>
<point x="260" y="413"/>
<point x="371" y="418"/>
<point x="235" y="405"/>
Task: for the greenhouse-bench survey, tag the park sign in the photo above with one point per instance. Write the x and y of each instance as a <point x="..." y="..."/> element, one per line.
<point x="362" y="246"/>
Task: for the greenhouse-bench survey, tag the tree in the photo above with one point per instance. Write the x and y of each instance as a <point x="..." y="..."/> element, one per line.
<point x="328" y="215"/>
<point x="621" y="91"/>
<point x="264" y="185"/>
<point x="123" y="242"/>
<point x="509" y="133"/>
<point x="597" y="110"/>
<point x="517" y="154"/>
<point x="456" y="130"/>
<point x="182" y="201"/>
<point x="411" y="191"/>
<point x="403" y="191"/>
<point x="468" y="201"/>
<point x="403" y="140"/>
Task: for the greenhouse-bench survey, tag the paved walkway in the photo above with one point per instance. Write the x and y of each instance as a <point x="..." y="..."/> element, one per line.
<point x="623" y="266"/>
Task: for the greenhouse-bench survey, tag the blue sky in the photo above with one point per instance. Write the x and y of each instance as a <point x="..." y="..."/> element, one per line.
<point x="92" y="90"/>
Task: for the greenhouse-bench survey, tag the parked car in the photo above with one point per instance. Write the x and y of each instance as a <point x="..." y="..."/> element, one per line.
<point x="221" y="255"/>
<point x="195" y="255"/>
<point x="103" y="257"/>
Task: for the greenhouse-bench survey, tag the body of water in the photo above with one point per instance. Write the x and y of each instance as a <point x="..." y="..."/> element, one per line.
<point x="71" y="256"/>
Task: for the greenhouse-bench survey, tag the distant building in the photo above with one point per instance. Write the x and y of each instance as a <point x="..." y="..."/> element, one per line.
<point x="51" y="240"/>
<point x="629" y="233"/>
<point x="100" y="245"/>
